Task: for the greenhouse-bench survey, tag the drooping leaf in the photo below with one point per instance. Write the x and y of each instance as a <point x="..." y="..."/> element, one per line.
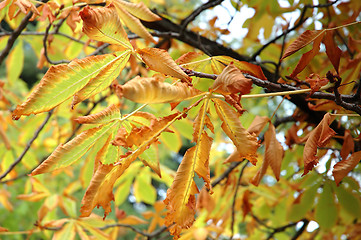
<point x="245" y="142"/>
<point x="180" y="201"/>
<point x="159" y="60"/>
<point x="103" y="24"/>
<point x="139" y="10"/>
<point x="326" y="209"/>
<point x="319" y="137"/>
<point x="273" y="156"/>
<point x="303" y="40"/>
<point x="151" y="90"/>
<point x="62" y="81"/>
<point x="348" y="144"/>
<point x="107" y="115"/>
<point x="257" y="125"/>
<point x="104" y="78"/>
<point x="15" y="63"/>
<point x="65" y="155"/>
<point x="202" y="119"/>
<point x="349" y="201"/>
<point x="232" y="81"/>
<point x="133" y="23"/>
<point x="342" y="168"/>
<point x="308" y="56"/>
<point x="332" y="51"/>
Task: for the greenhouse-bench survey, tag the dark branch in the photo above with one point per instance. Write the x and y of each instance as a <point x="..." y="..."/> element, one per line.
<point x="225" y="173"/>
<point x="199" y="10"/>
<point x="26" y="149"/>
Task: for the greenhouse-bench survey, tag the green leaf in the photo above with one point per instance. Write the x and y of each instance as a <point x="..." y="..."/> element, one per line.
<point x="65" y="155"/>
<point x="349" y="201"/>
<point x="63" y="81"/>
<point x="143" y="189"/>
<point x="326" y="209"/>
<point x="298" y="211"/>
<point x="15" y="63"/>
<point x="122" y="191"/>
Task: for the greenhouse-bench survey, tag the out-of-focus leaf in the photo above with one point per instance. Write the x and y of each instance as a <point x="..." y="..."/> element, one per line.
<point x="348" y="144"/>
<point x="349" y="201"/>
<point x="332" y="51"/>
<point x="342" y="168"/>
<point x="15" y="63"/>
<point x="143" y="189"/>
<point x="326" y="209"/>
<point x="159" y="60"/>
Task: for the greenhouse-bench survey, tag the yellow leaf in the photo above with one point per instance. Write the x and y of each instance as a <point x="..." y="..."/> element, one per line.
<point x="66" y="154"/>
<point x="98" y="84"/>
<point x="151" y="90"/>
<point x="133" y="23"/>
<point x="103" y="24"/>
<point x="62" y="81"/>
<point x="15" y="63"/>
<point x="231" y="81"/>
<point x="201" y="119"/>
<point x="139" y="10"/>
<point x="159" y="60"/>
<point x="245" y="142"/>
<point x="180" y="200"/>
<point x="107" y="115"/>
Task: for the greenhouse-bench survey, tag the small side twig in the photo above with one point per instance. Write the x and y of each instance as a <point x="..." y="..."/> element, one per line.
<point x="225" y="174"/>
<point x="235" y="197"/>
<point x="27" y="147"/>
<point x="46" y="34"/>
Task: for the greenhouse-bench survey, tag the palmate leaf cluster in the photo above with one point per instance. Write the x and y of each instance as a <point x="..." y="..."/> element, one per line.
<point x="113" y="117"/>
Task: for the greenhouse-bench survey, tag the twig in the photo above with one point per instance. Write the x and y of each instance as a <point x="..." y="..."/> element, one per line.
<point x="225" y="173"/>
<point x="235" y="197"/>
<point x="26" y="149"/>
<point x="302" y="229"/>
<point x="14" y="35"/>
<point x="196" y="12"/>
<point x="298" y="24"/>
<point x="46" y="48"/>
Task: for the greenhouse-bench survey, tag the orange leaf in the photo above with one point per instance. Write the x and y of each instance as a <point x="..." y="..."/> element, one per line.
<point x="246" y="205"/>
<point x="180" y="200"/>
<point x="103" y="24"/>
<point x="159" y="60"/>
<point x="257" y="125"/>
<point x="273" y="156"/>
<point x="151" y="90"/>
<point x="133" y="23"/>
<point x="100" y="189"/>
<point x="348" y="144"/>
<point x="303" y="40"/>
<point x="307" y="57"/>
<point x="140" y="10"/>
<point x="108" y="114"/>
<point x="316" y="82"/>
<point x="332" y="51"/>
<point x="202" y="118"/>
<point x="342" y="168"/>
<point x="231" y="81"/>
<point x="245" y="142"/>
<point x="319" y="137"/>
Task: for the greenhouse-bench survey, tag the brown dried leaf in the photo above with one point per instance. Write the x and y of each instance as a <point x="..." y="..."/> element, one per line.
<point x="257" y="125"/>
<point x="348" y="145"/>
<point x="341" y="169"/>
<point x="332" y="51"/>
<point x="319" y="137"/>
